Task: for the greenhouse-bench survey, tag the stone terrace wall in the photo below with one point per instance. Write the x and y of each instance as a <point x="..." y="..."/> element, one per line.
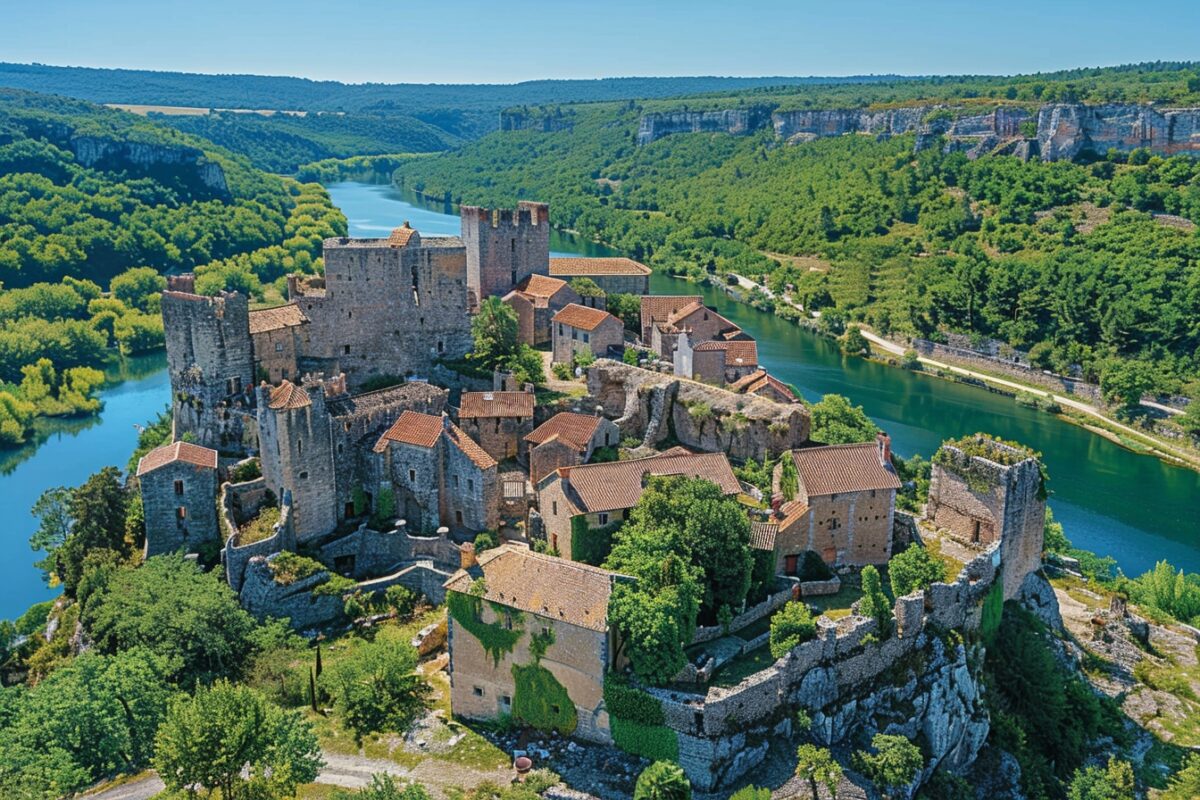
<point x="962" y="357"/>
<point x="240" y="502"/>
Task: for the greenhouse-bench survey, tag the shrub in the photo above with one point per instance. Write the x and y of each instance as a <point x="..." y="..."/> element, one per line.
<point x="910" y="360"/>
<point x="375" y="687"/>
<point x="874" y="602"/>
<point x="662" y="781"/>
<point x="402" y="599"/>
<point x="288" y="567"/>
<point x="893" y="765"/>
<point x="914" y="569"/>
<point x="248" y="470"/>
<point x="791" y="626"/>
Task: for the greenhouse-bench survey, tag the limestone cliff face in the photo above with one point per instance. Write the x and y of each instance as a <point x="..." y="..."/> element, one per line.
<point x="737" y="122"/>
<point x="1064" y="131"/>
<point x="95" y="151"/>
<point x="535" y="121"/>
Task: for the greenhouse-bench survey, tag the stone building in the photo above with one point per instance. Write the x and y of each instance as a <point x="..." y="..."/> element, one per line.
<point x="499" y="421"/>
<point x="566" y="440"/>
<point x="315" y="442"/>
<point x="211" y="364"/>
<point x="438" y="476"/>
<point x="613" y="275"/>
<point x="981" y="491"/>
<point x="696" y="320"/>
<point x="279" y="337"/>
<point x="535" y="300"/>
<point x="578" y="328"/>
<point x="599" y="495"/>
<point x="656" y="309"/>
<point x="386" y="307"/>
<point x="504" y="247"/>
<point x="715" y="362"/>
<point x="843" y="506"/>
<point x="760" y="383"/>
<point x="178" y="485"/>
<point x="563" y="605"/>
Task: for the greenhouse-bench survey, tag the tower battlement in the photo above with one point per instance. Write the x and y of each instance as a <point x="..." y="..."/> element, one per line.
<point x="505" y="246"/>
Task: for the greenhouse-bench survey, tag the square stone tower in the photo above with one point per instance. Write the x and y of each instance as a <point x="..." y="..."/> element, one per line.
<point x="983" y="491"/>
<point x="504" y="246"/>
<point x="178" y="484"/>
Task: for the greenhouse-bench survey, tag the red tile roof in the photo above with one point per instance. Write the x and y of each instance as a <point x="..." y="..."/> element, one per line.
<point x="540" y="286"/>
<point x="574" y="267"/>
<point x="476" y="405"/>
<point x="656" y="308"/>
<point x="573" y="429"/>
<point x="619" y="484"/>
<point x="737" y="354"/>
<point x="843" y="468"/>
<point x="288" y="395"/>
<point x="682" y="319"/>
<point x="277" y="318"/>
<point x="413" y="428"/>
<point x="762" y="535"/>
<point x="546" y="586"/>
<point x="755" y="382"/>
<point x="400" y="236"/>
<point x="582" y="317"/>
<point x="187" y="452"/>
<point x="469" y="447"/>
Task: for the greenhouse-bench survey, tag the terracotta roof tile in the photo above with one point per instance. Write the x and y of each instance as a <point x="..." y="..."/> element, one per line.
<point x="574" y="267"/>
<point x="469" y="447"/>
<point x="496" y="404"/>
<point x="177" y="451"/>
<point x="682" y="319"/>
<point x="618" y="484"/>
<point x="540" y="286"/>
<point x="737" y="354"/>
<point x="288" y="395"/>
<point x="546" y="586"/>
<point x="273" y="319"/>
<point x="842" y="468"/>
<point x="573" y="429"/>
<point x="581" y="317"/>
<point x="759" y="380"/>
<point x="413" y="428"/>
<point x="401" y="236"/>
<point x="762" y="535"/>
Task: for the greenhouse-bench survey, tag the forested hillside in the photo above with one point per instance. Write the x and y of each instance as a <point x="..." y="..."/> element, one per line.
<point x="1068" y="261"/>
<point x="95" y="205"/>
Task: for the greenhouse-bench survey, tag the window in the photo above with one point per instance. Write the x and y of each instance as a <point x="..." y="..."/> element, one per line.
<point x="304" y="476"/>
<point x="178" y="487"/>
<point x="560" y="329"/>
<point x="470" y="485"/>
<point x="554" y="709"/>
<point x="585" y="338"/>
<point x="477" y="691"/>
<point x="514" y="490"/>
<point x="346" y="349"/>
<point x="603" y="518"/>
<point x="458" y="517"/>
<point x="299" y="447"/>
<point x="455" y="481"/>
<point x="508" y="621"/>
<point x="412" y="476"/>
<point x="339" y="447"/>
<point x="279" y="347"/>
<point x="505" y="701"/>
<point x="181" y="513"/>
<point x="554" y="507"/>
<point x="441" y="346"/>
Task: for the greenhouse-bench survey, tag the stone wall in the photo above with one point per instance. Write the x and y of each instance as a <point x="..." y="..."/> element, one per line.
<point x="1024" y="372"/>
<point x="501" y="437"/>
<point x="656" y="407"/>
<point x="178" y="503"/>
<point x="239" y="502"/>
<point x="504" y="246"/>
<point x="750" y="615"/>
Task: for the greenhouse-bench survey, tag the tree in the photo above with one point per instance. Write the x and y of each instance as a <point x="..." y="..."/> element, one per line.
<point x="1185" y="784"/>
<point x="853" y="341"/>
<point x="170" y="606"/>
<point x="816" y="765"/>
<point x="662" y="780"/>
<point x="376" y="688"/>
<point x="836" y="421"/>
<point x="874" y="602"/>
<point x="791" y="626"/>
<point x="52" y="510"/>
<point x="1124" y="382"/>
<point x="527" y="365"/>
<point x="494" y="330"/>
<point x="138" y="287"/>
<point x="910" y="360"/>
<point x="894" y="764"/>
<point x="1114" y="782"/>
<point x="628" y="308"/>
<point x="210" y="738"/>
<point x="97" y="510"/>
<point x="914" y="569"/>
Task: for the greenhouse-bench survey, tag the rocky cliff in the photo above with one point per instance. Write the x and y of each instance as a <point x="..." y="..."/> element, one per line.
<point x="736" y="122"/>
<point x="189" y="163"/>
<point x="546" y="122"/>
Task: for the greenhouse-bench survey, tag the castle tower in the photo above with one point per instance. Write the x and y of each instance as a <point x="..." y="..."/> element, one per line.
<point x="297" y="453"/>
<point x="982" y="491"/>
<point x="504" y="247"/>
<point x="178" y="485"/>
<point x="210" y="361"/>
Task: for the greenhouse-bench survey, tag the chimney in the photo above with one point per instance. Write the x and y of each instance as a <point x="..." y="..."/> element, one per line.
<point x="776" y="503"/>
<point x="466" y="554"/>
<point x="885" y="448"/>
<point x="599" y="411"/>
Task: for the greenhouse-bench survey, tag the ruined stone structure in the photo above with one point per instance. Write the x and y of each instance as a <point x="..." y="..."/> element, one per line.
<point x="504" y="246"/>
<point x="498" y="421"/>
<point x="578" y="328"/>
<point x="983" y="491"/>
<point x="177" y="483"/>
<point x="612" y="275"/>
<point x="210" y="363"/>
<point x="316" y="439"/>
<point x="717" y="362"/>
<point x="762" y="384"/>
<point x="696" y="321"/>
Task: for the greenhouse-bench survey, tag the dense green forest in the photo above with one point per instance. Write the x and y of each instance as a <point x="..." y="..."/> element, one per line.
<point x="83" y="248"/>
<point x="283" y="142"/>
<point x="1067" y="261"/>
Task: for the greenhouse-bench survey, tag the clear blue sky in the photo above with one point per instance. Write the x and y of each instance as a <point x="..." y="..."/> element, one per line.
<point x="500" y="41"/>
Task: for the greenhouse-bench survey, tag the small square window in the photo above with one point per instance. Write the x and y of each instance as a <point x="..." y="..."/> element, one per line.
<point x="181" y="513"/>
<point x="178" y="487"/>
<point x="477" y="691"/>
<point x="304" y="476"/>
<point x="506" y="701"/>
<point x="346" y="349"/>
<point x="279" y="347"/>
<point x="603" y="519"/>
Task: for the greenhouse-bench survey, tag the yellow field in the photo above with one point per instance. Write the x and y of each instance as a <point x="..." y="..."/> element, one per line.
<point x="193" y="111"/>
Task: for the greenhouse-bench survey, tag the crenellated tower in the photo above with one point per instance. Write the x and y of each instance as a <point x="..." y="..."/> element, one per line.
<point x="505" y="246"/>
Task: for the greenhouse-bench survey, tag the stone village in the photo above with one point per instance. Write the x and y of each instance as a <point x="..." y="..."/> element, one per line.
<point x="391" y="485"/>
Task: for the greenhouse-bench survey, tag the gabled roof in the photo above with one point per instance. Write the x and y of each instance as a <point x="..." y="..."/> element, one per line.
<point x="842" y="468"/>
<point x="540" y="286"/>
<point x="496" y="404"/>
<point x="737" y="354"/>
<point x="549" y="587"/>
<point x="619" y="484"/>
<point x="762" y="535"/>
<point x="187" y="452"/>
<point x="288" y="395"/>
<point x="401" y="236"/>
<point x="412" y="428"/>
<point x="755" y="382"/>
<point x="572" y="429"/>
<point x="575" y="267"/>
<point x="581" y="317"/>
<point x="682" y="318"/>
<point x="277" y="318"/>
<point x="469" y="447"/>
<point x="656" y="308"/>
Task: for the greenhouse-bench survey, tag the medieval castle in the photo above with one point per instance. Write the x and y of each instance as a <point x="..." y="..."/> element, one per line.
<point x="379" y="460"/>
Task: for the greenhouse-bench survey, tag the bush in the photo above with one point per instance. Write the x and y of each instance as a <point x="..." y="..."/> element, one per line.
<point x="910" y="360"/>
<point x="893" y="765"/>
<point x="791" y="626"/>
<point x="403" y="600"/>
<point x="662" y="781"/>
<point x="914" y="569"/>
<point x="246" y="471"/>
<point x="874" y="602"/>
<point x="375" y="687"/>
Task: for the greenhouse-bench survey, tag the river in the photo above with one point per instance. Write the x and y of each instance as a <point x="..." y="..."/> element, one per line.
<point x="1135" y="508"/>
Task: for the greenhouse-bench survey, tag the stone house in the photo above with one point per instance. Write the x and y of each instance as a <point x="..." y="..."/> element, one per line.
<point x="498" y="421"/>
<point x="279" y="336"/>
<point x="563" y="606"/>
<point x="761" y="383"/>
<point x="535" y="300"/>
<point x="657" y="308"/>
<point x="599" y="495"/>
<point x="613" y="275"/>
<point x="578" y="328"/>
<point x="178" y="486"/>
<point x="566" y="440"/>
<point x="438" y="476"/>
<point x="699" y="322"/>
<point x="843" y="508"/>
<point x="715" y="362"/>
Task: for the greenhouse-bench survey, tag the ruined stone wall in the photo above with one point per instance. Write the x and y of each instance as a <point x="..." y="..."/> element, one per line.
<point x="239" y="502"/>
<point x="501" y="437"/>
<point x="167" y="490"/>
<point x="504" y="247"/>
<point x="1088" y="392"/>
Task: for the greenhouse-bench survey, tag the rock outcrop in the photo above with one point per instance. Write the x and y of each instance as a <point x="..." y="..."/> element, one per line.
<point x="737" y="122"/>
<point x="189" y="162"/>
<point x="1066" y="130"/>
<point x="544" y="121"/>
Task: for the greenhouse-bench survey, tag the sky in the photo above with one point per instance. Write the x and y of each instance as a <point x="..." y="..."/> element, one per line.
<point x="505" y="41"/>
